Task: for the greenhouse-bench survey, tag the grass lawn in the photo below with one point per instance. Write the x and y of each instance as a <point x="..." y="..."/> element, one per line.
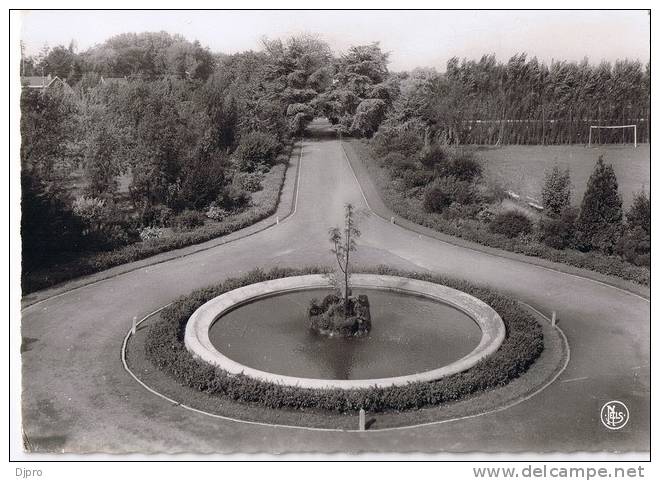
<point x="521" y="168"/>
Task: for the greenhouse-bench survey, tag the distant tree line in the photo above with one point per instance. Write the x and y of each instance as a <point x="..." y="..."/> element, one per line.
<point x="523" y="101"/>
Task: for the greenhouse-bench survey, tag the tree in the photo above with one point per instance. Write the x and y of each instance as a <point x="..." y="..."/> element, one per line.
<point x="361" y="92"/>
<point x="100" y="146"/>
<point x="368" y="116"/>
<point x="47" y="132"/>
<point x="299" y="71"/>
<point x="343" y="243"/>
<point x="60" y="61"/>
<point x="556" y="193"/>
<point x="599" y="224"/>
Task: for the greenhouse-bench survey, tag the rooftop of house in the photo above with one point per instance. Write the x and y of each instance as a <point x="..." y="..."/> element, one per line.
<point x="39" y="81"/>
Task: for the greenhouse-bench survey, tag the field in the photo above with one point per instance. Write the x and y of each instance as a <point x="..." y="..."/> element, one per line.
<point x="521" y="168"/>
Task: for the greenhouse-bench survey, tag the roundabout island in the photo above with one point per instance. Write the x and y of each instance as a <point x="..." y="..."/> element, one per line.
<point x="210" y="315"/>
<point x="176" y="357"/>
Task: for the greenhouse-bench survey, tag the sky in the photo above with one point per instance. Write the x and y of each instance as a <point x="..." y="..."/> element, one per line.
<point x="413" y="38"/>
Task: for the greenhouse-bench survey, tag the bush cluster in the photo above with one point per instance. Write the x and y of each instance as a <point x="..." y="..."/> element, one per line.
<point x="40" y="278"/>
<point x="188" y="220"/>
<point x="157" y="216"/>
<point x="405" y="142"/>
<point x="448" y="190"/>
<point x="248" y="181"/>
<point x="256" y="148"/>
<point x="233" y="198"/>
<point x="522" y="346"/>
<point x="477" y="231"/>
<point x="559" y="232"/>
<point x="510" y="224"/>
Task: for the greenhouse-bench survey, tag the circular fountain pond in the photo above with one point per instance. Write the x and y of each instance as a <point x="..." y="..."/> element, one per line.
<point x="410" y="334"/>
<point x="420" y="331"/>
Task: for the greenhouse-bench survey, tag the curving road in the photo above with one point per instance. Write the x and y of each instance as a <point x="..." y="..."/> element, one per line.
<point x="77" y="397"/>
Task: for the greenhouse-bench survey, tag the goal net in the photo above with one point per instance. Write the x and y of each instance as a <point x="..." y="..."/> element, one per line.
<point x="594" y="137"/>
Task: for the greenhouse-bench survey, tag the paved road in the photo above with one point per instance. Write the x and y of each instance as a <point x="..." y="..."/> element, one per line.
<point x="77" y="397"/>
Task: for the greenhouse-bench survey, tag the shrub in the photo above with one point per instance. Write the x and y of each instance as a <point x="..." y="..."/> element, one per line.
<point x="157" y="216"/>
<point x="435" y="157"/>
<point x="188" y="220"/>
<point x="446" y="190"/>
<point x="91" y="210"/>
<point x="464" y="166"/>
<point x="394" y="159"/>
<point x="149" y="233"/>
<point x="405" y="142"/>
<point x="216" y="213"/>
<point x="558" y="233"/>
<point x="116" y="235"/>
<point x="399" y="164"/>
<point x="248" y="181"/>
<point x="510" y="224"/>
<point x="556" y="192"/>
<point x="417" y="178"/>
<point x="458" y="211"/>
<point x="103" y="226"/>
<point x="635" y="247"/>
<point x="233" y="198"/>
<point x="201" y="180"/>
<point x="256" y="148"/>
<point x="165" y="347"/>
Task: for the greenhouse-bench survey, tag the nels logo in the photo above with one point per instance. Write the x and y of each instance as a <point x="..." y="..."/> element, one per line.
<point x="614" y="415"/>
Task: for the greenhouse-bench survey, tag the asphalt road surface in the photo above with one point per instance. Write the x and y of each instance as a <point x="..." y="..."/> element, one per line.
<point x="78" y="398"/>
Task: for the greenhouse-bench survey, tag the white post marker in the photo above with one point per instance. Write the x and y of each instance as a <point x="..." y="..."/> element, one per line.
<point x="134" y="325"/>
<point x="554" y="317"/>
<point x="277" y="219"/>
<point x="362" y="419"/>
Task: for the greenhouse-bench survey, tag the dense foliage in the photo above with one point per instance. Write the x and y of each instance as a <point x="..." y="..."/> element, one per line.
<point x="151" y="131"/>
<point x="510" y="224"/>
<point x="361" y="92"/>
<point x="153" y="241"/>
<point x="552" y="238"/>
<point x="521" y="347"/>
<point x="635" y="243"/>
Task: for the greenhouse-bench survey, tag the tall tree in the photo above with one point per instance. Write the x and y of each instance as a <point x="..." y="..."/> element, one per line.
<point x="599" y="224"/>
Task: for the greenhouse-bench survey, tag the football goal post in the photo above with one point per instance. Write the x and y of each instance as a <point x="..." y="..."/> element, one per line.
<point x="611" y="127"/>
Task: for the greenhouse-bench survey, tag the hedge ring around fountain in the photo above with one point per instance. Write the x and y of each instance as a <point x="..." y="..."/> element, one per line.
<point x="199" y="344"/>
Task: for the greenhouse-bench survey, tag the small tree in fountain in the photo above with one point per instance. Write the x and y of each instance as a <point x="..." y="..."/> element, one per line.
<point x="343" y="243"/>
<point x="348" y="315"/>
